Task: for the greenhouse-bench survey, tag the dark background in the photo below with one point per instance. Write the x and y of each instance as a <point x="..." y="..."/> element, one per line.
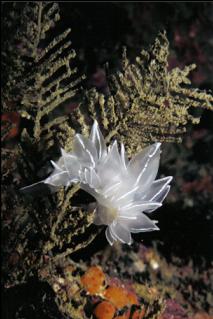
<point x="99" y="31"/>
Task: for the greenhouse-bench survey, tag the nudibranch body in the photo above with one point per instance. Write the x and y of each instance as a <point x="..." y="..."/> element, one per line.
<point x="124" y="190"/>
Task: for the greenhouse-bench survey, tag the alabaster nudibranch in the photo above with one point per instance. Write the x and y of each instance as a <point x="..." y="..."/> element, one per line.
<point x="124" y="190"/>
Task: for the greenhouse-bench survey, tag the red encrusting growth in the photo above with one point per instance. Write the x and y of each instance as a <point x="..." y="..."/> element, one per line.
<point x="10" y="125"/>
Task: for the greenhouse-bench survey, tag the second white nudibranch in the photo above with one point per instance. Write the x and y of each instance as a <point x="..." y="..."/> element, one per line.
<point x="124" y="190"/>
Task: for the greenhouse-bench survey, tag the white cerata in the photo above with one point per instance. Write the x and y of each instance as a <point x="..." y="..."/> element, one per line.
<point x="125" y="191"/>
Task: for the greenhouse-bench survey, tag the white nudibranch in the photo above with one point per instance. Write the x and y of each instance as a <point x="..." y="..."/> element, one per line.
<point x="124" y="190"/>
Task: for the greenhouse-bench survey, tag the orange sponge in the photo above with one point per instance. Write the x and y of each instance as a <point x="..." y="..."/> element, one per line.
<point x="104" y="310"/>
<point x="93" y="280"/>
